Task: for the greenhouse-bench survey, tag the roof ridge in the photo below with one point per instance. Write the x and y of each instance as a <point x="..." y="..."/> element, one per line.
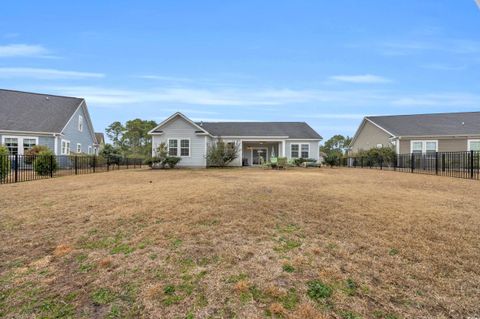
<point x="44" y="94"/>
<point x="419" y="114"/>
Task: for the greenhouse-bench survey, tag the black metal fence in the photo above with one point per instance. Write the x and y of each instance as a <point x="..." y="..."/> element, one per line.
<point x="21" y="168"/>
<point x="452" y="164"/>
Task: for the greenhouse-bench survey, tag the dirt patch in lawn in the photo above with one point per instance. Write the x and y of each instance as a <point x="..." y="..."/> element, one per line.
<point x="240" y="243"/>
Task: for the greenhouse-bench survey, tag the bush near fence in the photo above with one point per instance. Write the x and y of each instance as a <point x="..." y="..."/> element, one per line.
<point x="21" y="168"/>
<point x="452" y="164"/>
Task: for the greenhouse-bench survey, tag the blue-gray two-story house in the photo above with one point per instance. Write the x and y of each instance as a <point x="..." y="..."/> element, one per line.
<point x="62" y="123"/>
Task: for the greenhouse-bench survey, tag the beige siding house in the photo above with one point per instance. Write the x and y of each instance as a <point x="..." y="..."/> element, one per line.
<point x="419" y="133"/>
<point x="257" y="141"/>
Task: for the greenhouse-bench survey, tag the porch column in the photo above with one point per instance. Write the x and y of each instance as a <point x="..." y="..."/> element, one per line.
<point x="283" y="148"/>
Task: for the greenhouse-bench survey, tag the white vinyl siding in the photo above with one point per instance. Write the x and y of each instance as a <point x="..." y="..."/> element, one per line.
<point x="179" y="129"/>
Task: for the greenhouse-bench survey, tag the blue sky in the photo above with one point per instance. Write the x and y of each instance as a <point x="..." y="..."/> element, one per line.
<point x="328" y="63"/>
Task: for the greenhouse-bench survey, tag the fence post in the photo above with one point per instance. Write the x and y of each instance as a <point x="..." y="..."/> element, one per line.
<point x="16" y="168"/>
<point x="443" y="162"/>
<point x="361" y="162"/>
<point x="94" y="162"/>
<point x="412" y="162"/>
<point x="381" y="163"/>
<point x="51" y="166"/>
<point x="76" y="166"/>
<point x="436" y="163"/>
<point x="471" y="164"/>
<point x="127" y="162"/>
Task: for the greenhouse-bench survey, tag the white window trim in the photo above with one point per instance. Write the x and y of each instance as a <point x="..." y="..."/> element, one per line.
<point x="20" y="141"/>
<point x="424" y="145"/>
<point x="89" y="150"/>
<point x="299" y="154"/>
<point x="469" y="148"/>
<point x="308" y="156"/>
<point x="79" y="145"/>
<point x="189" y="147"/>
<point x="67" y="143"/>
<point x="179" y="146"/>
<point x="80" y="123"/>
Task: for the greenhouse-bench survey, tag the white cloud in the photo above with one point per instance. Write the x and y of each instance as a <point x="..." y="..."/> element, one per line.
<point x="45" y="74"/>
<point x="361" y="79"/>
<point x="439" y="99"/>
<point x="23" y="50"/>
<point x="339" y="116"/>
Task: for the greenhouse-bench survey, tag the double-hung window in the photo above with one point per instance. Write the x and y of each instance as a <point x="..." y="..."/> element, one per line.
<point x="12" y="145"/>
<point x="185" y="147"/>
<point x="474" y="145"/>
<point x="305" y="151"/>
<point x="28" y="143"/>
<point x="173" y="147"/>
<point x="179" y="147"/>
<point x="424" y="147"/>
<point x="65" y="147"/>
<point x="79" y="148"/>
<point x="294" y="150"/>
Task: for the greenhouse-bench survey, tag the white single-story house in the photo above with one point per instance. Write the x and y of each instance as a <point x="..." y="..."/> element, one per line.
<point x="257" y="140"/>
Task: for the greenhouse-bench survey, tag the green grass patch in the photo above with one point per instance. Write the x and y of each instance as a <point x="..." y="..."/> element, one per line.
<point x="122" y="249"/>
<point x="317" y="290"/>
<point x="286" y="244"/>
<point x="288" y="268"/>
<point x="103" y="296"/>
<point x="393" y="251"/>
<point x="236" y="278"/>
<point x="347" y="314"/>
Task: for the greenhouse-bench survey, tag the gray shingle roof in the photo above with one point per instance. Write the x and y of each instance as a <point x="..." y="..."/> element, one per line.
<point x="34" y="112"/>
<point x="290" y="129"/>
<point x="100" y="137"/>
<point x="466" y="123"/>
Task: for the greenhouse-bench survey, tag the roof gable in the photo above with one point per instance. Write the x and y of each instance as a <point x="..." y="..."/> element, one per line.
<point x="158" y="128"/>
<point x="33" y="112"/>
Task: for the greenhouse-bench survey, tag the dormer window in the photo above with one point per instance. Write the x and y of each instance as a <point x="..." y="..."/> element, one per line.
<point x="80" y="123"/>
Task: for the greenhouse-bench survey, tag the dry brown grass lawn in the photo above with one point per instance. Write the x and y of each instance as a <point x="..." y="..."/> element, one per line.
<point x="240" y="243"/>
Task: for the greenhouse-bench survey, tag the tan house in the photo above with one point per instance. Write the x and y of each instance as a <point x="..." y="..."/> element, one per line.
<point x="419" y="133"/>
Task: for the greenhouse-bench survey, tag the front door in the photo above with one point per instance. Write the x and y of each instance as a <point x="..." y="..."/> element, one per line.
<point x="259" y="156"/>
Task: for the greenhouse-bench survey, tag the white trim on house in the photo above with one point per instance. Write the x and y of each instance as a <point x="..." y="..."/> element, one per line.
<point x="79" y="148"/>
<point x="67" y="147"/>
<point x="469" y="148"/>
<point x="257" y="148"/>
<point x="179" y="146"/>
<point x="299" y="150"/>
<point x="28" y="132"/>
<point x="20" y="139"/>
<point x="80" y="123"/>
<point x="424" y="145"/>
<point x="171" y="118"/>
<point x="89" y="152"/>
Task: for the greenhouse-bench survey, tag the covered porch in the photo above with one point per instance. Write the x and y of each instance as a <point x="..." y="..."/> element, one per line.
<point x="259" y="152"/>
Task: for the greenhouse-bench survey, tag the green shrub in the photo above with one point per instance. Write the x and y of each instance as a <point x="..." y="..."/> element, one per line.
<point x="220" y="154"/>
<point x="4" y="162"/>
<point x="300" y="161"/>
<point x="317" y="290"/>
<point x="172" y="161"/>
<point x="375" y="156"/>
<point x="333" y="159"/>
<point x="37" y="149"/>
<point x="45" y="163"/>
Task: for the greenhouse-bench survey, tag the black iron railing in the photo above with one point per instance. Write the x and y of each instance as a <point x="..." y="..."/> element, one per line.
<point x="452" y="164"/>
<point x="22" y="168"/>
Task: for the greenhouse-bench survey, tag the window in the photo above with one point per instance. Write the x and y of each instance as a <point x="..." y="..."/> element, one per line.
<point x="294" y="148"/>
<point x="185" y="147"/>
<point x="89" y="150"/>
<point x="430" y="147"/>
<point x="65" y="147"/>
<point x="79" y="148"/>
<point x="172" y="147"/>
<point x="305" y="150"/>
<point x="80" y="123"/>
<point x="12" y="144"/>
<point x="474" y="145"/>
<point x="424" y="147"/>
<point x="28" y="143"/>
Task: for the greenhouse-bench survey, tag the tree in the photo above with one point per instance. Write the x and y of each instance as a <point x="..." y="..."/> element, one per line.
<point x="336" y="144"/>
<point x="220" y="154"/>
<point x="132" y="138"/>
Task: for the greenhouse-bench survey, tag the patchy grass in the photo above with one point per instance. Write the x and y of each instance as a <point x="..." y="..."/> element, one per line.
<point x="237" y="243"/>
